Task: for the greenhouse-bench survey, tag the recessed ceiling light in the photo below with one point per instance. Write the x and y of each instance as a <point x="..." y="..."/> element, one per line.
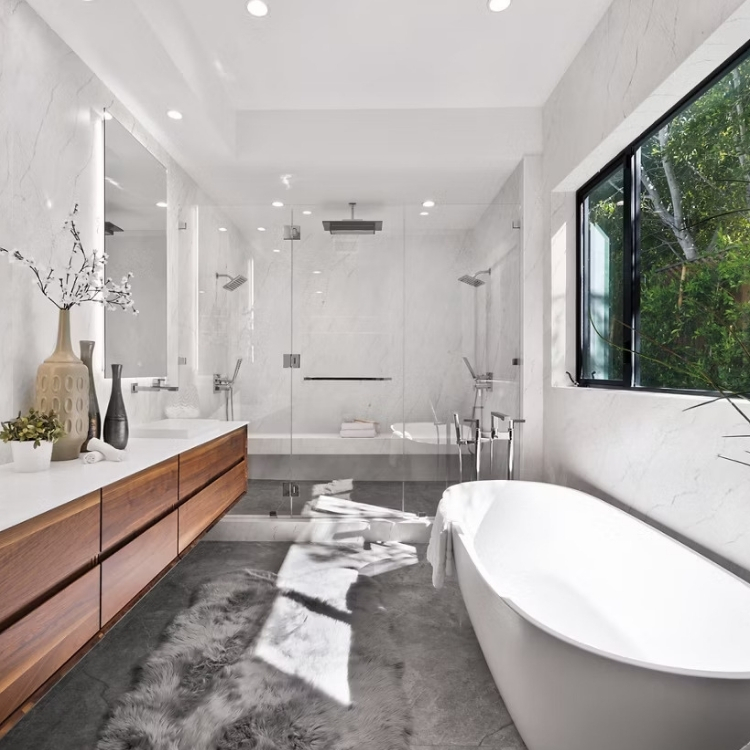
<point x="173" y="114"/>
<point x="222" y="229"/>
<point x="257" y="8"/>
<point x="112" y="182"/>
<point x="261" y="229"/>
<point x="428" y="204"/>
<point x="424" y="213"/>
<point x="497" y="5"/>
<point x="318" y="292"/>
<point x="201" y="292"/>
<point x="307" y="213"/>
<point x="161" y="204"/>
<point x="276" y="250"/>
<point x="277" y="204"/>
<point x="317" y="272"/>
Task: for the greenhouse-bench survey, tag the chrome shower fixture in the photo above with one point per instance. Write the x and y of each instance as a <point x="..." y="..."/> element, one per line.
<point x="353" y="226"/>
<point x="474" y="280"/>
<point x="235" y="282"/>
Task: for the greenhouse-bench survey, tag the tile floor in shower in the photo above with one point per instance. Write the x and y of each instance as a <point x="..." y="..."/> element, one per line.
<point x="264" y="496"/>
<point x="453" y="700"/>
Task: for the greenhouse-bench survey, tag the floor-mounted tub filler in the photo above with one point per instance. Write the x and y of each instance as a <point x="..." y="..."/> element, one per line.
<point x="601" y="632"/>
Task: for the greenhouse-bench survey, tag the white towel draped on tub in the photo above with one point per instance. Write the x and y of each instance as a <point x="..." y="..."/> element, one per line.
<point x="440" y="549"/>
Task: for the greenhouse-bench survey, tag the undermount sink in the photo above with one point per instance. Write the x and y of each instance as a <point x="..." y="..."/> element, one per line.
<point x="175" y="428"/>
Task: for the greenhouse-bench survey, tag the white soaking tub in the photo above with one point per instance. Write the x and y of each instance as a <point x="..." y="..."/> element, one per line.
<point x="601" y="632"/>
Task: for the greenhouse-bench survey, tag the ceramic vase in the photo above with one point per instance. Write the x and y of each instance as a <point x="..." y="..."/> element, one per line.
<point x="28" y="459"/>
<point x="95" y="416"/>
<point x="116" y="430"/>
<point x="62" y="386"/>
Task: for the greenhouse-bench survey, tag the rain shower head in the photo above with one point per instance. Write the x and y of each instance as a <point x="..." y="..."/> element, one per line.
<point x="474" y="280"/>
<point x="235" y="282"/>
<point x="353" y="226"/>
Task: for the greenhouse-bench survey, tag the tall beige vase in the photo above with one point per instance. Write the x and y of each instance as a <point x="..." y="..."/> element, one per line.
<point x="62" y="386"/>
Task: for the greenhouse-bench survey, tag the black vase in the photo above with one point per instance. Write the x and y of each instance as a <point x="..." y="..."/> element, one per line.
<point x="116" y="422"/>
<point x="95" y="416"/>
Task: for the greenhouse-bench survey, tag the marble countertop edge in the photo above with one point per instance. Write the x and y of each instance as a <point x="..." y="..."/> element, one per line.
<point x="26" y="496"/>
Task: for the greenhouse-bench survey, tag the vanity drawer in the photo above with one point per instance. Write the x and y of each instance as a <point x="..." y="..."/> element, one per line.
<point x="202" y="510"/>
<point x="39" y="554"/>
<point x="132" y="568"/>
<point x="33" y="649"/>
<point x="201" y="465"/>
<point x="133" y="503"/>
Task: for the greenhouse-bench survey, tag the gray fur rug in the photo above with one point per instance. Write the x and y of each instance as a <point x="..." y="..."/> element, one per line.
<point x="205" y="688"/>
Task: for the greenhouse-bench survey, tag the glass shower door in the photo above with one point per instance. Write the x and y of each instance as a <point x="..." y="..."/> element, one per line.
<point x="348" y="330"/>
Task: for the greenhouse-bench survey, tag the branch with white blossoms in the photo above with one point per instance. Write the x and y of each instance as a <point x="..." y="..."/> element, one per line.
<point x="82" y="278"/>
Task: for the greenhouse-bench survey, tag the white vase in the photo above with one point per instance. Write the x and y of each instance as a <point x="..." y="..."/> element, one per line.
<point x="27" y="458"/>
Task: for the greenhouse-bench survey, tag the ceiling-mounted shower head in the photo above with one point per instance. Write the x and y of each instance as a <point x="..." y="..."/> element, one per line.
<point x="474" y="280"/>
<point x="235" y="282"/>
<point x="353" y="226"/>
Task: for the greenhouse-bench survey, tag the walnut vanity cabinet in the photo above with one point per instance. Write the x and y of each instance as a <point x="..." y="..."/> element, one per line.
<point x="132" y="568"/>
<point x="37" y="556"/>
<point x="136" y="502"/>
<point x="67" y="573"/>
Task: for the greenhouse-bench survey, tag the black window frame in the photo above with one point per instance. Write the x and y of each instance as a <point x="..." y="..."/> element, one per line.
<point x="629" y="160"/>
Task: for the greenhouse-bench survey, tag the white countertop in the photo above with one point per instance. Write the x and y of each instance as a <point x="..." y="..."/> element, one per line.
<point x="24" y="496"/>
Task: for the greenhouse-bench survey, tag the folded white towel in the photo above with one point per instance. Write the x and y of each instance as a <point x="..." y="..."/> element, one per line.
<point x="364" y="426"/>
<point x="110" y="453"/>
<point x="440" y="549"/>
<point x="358" y="433"/>
<point x="92" y="458"/>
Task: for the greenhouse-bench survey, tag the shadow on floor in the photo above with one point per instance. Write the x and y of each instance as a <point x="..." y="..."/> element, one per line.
<point x="453" y="700"/>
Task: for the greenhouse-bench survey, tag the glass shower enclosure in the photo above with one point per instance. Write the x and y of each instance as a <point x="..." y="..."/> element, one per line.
<point x="360" y="341"/>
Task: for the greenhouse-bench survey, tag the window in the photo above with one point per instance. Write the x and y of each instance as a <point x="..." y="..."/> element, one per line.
<point x="664" y="252"/>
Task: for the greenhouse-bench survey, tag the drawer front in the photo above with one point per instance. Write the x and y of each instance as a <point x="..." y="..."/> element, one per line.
<point x="133" y="503"/>
<point x="33" y="649"/>
<point x="38" y="555"/>
<point x="202" y="510"/>
<point x="201" y="465"/>
<point x="133" y="567"/>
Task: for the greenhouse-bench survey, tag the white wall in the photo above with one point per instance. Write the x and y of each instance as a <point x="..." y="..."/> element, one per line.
<point x="51" y="153"/>
<point x="640" y="450"/>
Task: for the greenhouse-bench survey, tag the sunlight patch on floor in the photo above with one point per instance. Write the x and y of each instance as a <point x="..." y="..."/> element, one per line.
<point x="307" y="633"/>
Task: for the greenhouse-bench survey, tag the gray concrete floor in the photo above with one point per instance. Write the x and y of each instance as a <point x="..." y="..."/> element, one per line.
<point x="264" y="496"/>
<point x="454" y="702"/>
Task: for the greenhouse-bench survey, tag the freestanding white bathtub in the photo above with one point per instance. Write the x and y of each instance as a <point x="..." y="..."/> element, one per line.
<point x="601" y="632"/>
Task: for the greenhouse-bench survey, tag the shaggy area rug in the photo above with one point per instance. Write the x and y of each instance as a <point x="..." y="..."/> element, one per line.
<point x="206" y="687"/>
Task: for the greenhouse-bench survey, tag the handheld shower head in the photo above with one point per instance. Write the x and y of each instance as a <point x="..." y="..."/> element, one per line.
<point x="474" y="280"/>
<point x="235" y="282"/>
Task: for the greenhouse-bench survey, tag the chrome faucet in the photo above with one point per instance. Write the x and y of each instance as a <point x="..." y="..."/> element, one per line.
<point x="157" y="384"/>
<point x="495" y="434"/>
<point x="227" y="385"/>
<point x="475" y="440"/>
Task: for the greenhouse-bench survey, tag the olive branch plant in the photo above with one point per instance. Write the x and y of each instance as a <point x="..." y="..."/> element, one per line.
<point x="81" y="279"/>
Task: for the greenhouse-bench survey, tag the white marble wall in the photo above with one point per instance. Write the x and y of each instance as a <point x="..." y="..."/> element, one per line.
<point x="643" y="451"/>
<point x="51" y="158"/>
<point x="226" y="318"/>
<point x="498" y="246"/>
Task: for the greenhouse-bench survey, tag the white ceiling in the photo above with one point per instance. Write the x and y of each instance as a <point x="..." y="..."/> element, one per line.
<point x="381" y="101"/>
<point x="391" y="54"/>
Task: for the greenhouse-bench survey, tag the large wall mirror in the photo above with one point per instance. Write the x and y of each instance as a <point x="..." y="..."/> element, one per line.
<point x="135" y="216"/>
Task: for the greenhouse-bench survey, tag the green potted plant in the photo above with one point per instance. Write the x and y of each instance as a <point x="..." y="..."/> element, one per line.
<point x="31" y="438"/>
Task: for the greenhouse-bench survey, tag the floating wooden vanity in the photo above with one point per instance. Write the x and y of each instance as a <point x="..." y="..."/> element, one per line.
<point x="67" y="570"/>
